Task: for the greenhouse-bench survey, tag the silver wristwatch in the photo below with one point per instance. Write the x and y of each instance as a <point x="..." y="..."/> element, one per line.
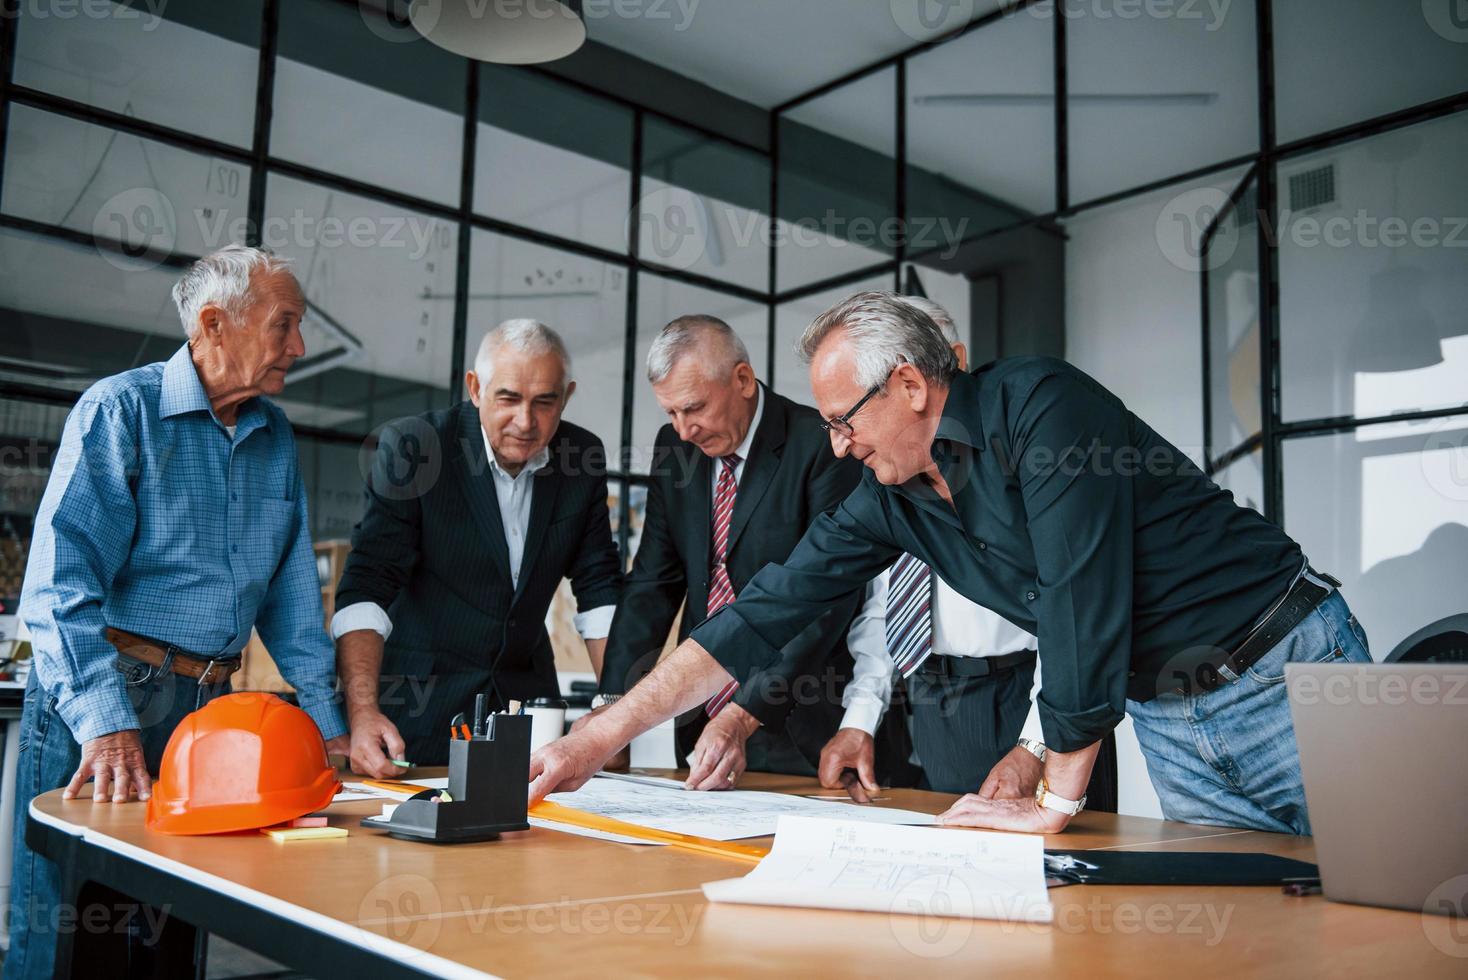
<point x="1050" y="801"/>
<point x="602" y="700"/>
<point x="1034" y="748"/>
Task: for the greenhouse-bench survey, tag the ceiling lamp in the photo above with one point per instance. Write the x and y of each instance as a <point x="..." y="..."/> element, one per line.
<point x="506" y="32"/>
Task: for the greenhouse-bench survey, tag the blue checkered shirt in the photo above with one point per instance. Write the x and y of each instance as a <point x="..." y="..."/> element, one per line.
<point x="157" y="522"/>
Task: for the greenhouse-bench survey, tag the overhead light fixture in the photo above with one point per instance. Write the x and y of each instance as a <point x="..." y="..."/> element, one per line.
<point x="506" y="32"/>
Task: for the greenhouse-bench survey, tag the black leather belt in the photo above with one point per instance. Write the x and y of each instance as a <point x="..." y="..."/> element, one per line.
<point x="944" y="666"/>
<point x="1310" y="590"/>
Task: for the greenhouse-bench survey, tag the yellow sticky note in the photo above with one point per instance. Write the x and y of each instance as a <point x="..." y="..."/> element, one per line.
<point x="303" y="833"/>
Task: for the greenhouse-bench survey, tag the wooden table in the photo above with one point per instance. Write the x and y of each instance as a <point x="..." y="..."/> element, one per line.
<point x="542" y="902"/>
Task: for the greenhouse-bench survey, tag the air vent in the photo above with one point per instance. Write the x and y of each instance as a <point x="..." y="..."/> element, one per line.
<point x="1312" y="188"/>
<point x="1247" y="209"/>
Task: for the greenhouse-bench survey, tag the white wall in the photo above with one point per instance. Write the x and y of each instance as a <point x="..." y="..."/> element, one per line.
<point x="1132" y="322"/>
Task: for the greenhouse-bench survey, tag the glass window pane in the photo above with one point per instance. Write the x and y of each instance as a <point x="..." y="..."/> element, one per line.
<point x="1339" y="63"/>
<point x="333" y="476"/>
<point x="70" y="314"/>
<point x="1387" y="517"/>
<point x="552" y="158"/>
<point x="135" y="57"/>
<point x="981" y="131"/>
<point x="637" y="505"/>
<point x="139" y="193"/>
<point x="950" y="290"/>
<point x="1166" y="90"/>
<point x="1244" y="478"/>
<point x="1233" y="326"/>
<point x="582" y="299"/>
<point x="377" y="102"/>
<point x="1134" y="306"/>
<point x="705" y="206"/>
<point x="838" y="182"/>
<point x="29" y="435"/>
<point x="379" y="285"/>
<point x="660" y="300"/>
<point x="1373" y="274"/>
<point x="791" y="377"/>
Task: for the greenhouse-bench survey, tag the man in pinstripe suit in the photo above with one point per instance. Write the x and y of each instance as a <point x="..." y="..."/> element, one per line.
<point x="474" y="515"/>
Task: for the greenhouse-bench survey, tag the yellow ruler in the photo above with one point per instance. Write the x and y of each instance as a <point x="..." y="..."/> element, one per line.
<point x="556" y="813"/>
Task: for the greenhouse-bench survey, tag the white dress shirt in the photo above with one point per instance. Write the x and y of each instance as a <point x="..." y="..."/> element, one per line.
<point x="960" y="629"/>
<point x="514" y="494"/>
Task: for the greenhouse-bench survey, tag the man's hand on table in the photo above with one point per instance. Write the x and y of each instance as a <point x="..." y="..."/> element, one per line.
<point x="717" y="760"/>
<point x="1066" y="773"/>
<point x="115" y="764"/>
<point x="1026" y="816"/>
<point x="1013" y="777"/>
<point x="568" y="762"/>
<point x="372" y="732"/>
<point x="850" y="749"/>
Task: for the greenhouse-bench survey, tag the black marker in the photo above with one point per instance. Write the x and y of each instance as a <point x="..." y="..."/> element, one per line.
<point x="479" y="707"/>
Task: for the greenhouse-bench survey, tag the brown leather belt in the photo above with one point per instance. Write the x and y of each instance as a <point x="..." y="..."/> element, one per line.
<point x="207" y="670"/>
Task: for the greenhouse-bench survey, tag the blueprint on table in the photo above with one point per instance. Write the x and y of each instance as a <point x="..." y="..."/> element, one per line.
<point x="725" y="815"/>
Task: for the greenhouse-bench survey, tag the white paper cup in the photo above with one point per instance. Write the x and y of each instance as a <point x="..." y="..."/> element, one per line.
<point x="547" y="720"/>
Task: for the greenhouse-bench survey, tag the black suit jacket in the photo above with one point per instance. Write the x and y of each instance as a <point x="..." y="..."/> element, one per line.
<point x="430" y="549"/>
<point x="790" y="477"/>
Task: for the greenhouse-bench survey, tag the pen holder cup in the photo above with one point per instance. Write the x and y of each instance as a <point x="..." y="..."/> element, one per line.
<point x="487" y="788"/>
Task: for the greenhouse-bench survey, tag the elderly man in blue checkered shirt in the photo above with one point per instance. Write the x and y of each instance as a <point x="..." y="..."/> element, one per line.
<point x="175" y="514"/>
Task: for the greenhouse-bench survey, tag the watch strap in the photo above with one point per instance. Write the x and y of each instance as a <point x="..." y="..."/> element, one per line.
<point x="1060" y="804"/>
<point x="1034" y="748"/>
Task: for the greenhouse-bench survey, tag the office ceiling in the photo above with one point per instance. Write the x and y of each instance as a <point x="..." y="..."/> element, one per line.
<point x="768" y="51"/>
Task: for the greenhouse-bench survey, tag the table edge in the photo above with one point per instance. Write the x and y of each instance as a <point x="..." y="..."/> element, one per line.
<point x="371" y="942"/>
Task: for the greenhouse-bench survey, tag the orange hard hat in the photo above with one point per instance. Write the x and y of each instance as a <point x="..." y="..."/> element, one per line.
<point x="240" y="762"/>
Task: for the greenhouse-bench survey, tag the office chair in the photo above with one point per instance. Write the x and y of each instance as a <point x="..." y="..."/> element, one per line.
<point x="1443" y="642"/>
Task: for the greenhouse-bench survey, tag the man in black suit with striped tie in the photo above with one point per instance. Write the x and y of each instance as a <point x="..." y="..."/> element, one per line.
<point x="737" y="475"/>
<point x="474" y="515"/>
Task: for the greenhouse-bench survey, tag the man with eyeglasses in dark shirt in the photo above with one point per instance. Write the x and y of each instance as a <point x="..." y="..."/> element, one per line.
<point x="1033" y="491"/>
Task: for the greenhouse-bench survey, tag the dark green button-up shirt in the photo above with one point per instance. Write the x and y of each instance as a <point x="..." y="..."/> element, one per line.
<point x="1071" y="518"/>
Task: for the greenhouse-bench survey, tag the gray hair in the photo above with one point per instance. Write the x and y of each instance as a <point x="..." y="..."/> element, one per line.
<point x="884" y="330"/>
<point x="724" y="352"/>
<point x="222" y="278"/>
<point x="938" y="315"/>
<point x="524" y="335"/>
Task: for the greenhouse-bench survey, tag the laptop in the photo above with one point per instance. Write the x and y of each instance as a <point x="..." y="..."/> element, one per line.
<point x="1382" y="753"/>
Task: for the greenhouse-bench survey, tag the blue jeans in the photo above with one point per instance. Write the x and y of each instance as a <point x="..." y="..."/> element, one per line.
<point x="49" y="757"/>
<point x="1228" y="756"/>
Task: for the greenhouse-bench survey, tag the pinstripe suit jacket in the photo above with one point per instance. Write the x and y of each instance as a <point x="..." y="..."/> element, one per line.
<point x="430" y="549"/>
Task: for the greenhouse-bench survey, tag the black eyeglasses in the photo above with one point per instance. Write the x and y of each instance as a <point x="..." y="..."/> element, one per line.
<point x="841" y="424"/>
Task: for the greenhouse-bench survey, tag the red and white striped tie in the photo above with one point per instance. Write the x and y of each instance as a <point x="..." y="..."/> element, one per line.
<point x="721" y="590"/>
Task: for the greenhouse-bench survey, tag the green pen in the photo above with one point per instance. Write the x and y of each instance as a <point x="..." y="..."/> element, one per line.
<point x="401" y="764"/>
